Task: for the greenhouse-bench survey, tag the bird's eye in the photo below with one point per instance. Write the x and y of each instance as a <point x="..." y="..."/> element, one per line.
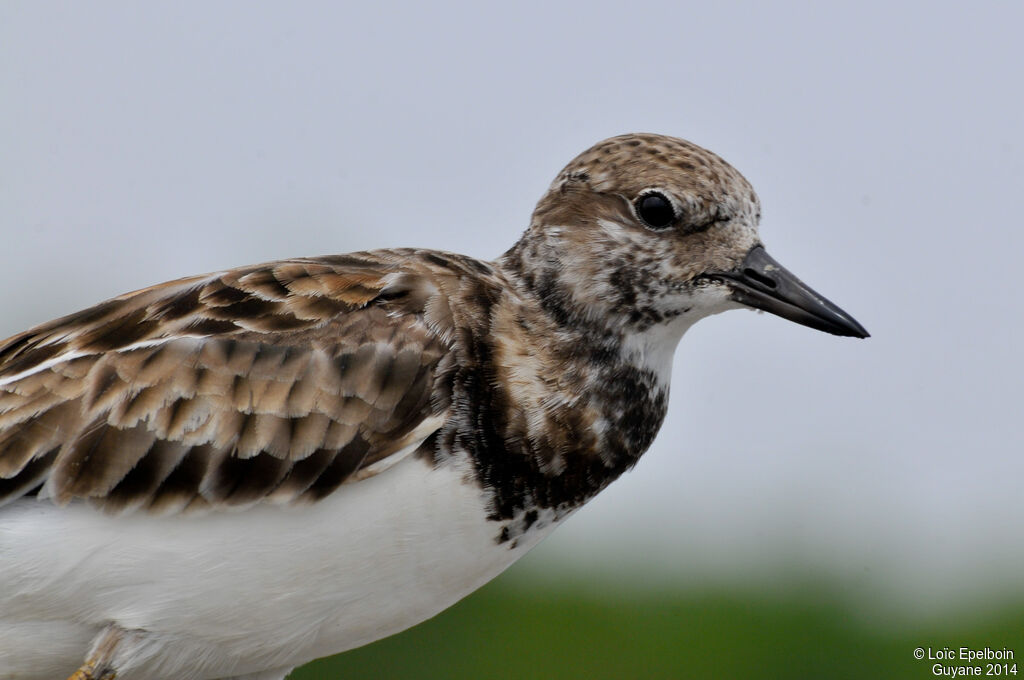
<point x="655" y="210"/>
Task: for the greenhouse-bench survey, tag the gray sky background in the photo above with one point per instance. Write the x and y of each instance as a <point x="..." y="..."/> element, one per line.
<point x="140" y="143"/>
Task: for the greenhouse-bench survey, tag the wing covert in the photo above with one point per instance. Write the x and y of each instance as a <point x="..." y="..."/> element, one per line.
<point x="277" y="382"/>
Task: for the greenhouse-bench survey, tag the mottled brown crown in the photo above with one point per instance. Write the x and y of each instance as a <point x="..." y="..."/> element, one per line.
<point x="628" y="164"/>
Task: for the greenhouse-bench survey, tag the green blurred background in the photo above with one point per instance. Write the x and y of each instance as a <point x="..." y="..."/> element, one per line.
<point x="531" y="625"/>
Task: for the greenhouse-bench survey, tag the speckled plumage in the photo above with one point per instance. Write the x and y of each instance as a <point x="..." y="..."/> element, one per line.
<point x="274" y="382"/>
<point x="525" y="386"/>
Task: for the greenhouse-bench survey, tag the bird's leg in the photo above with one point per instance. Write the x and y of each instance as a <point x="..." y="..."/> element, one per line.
<point x="99" y="665"/>
<point x="90" y="671"/>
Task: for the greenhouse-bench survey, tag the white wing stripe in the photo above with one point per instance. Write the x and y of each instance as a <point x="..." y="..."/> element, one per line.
<point x="77" y="354"/>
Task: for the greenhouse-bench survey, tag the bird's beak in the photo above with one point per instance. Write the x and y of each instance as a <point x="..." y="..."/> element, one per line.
<point x="763" y="283"/>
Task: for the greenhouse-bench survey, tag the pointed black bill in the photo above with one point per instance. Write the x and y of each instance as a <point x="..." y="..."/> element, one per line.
<point x="763" y="283"/>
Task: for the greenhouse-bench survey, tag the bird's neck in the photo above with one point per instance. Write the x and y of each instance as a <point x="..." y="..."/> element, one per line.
<point x="590" y="312"/>
<point x="564" y="402"/>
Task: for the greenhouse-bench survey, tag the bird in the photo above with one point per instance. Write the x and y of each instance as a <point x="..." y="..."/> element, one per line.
<point x="232" y="474"/>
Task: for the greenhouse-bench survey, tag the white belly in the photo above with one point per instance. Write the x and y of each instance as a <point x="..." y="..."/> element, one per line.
<point x="238" y="592"/>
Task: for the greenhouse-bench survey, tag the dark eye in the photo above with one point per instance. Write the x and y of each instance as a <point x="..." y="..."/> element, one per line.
<point x="655" y="210"/>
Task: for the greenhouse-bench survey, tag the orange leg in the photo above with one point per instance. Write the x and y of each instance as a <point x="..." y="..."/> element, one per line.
<point x="90" y="671"/>
<point x="98" y="665"/>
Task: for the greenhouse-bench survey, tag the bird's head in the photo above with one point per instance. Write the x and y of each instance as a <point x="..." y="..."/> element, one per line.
<point x="645" y="230"/>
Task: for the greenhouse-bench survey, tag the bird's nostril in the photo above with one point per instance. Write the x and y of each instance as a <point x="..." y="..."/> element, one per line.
<point x="758" y="277"/>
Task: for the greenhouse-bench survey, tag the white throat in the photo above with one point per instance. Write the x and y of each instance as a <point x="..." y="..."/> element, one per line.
<point x="652" y="349"/>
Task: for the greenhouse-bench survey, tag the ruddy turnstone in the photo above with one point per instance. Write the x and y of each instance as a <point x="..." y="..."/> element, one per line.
<point x="229" y="475"/>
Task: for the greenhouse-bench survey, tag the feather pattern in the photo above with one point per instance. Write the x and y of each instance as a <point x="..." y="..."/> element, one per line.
<point x="273" y="382"/>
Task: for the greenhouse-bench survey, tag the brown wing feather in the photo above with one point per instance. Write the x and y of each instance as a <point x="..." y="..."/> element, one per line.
<point x="278" y="382"/>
